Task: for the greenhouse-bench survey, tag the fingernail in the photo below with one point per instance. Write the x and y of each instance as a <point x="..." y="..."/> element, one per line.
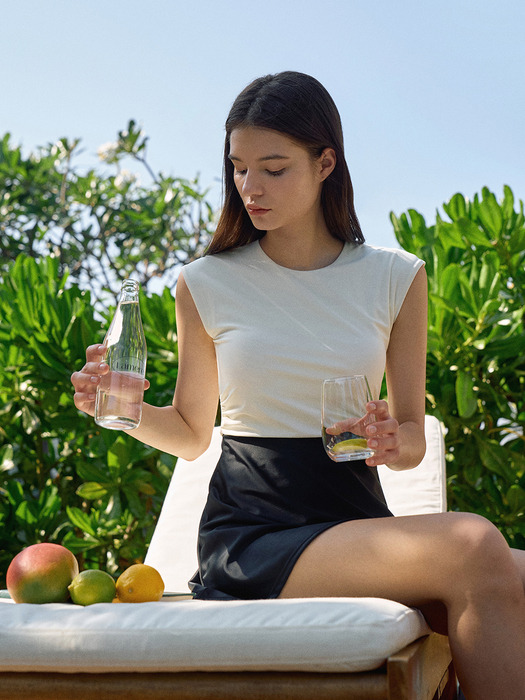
<point x="102" y="365"/>
<point x="94" y="379"/>
<point x="372" y="443"/>
<point x="371" y="430"/>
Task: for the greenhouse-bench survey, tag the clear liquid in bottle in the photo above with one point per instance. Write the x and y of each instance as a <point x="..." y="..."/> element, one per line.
<point x="120" y="393"/>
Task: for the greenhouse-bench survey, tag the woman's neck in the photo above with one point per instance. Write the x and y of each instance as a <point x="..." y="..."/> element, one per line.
<point x="301" y="252"/>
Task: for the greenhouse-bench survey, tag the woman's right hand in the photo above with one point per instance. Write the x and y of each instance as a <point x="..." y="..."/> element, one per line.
<point x="87" y="380"/>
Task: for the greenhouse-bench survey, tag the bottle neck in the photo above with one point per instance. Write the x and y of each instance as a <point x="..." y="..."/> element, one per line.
<point x="129" y="291"/>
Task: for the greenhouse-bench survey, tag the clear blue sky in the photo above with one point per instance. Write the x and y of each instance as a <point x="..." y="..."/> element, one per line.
<point x="431" y="92"/>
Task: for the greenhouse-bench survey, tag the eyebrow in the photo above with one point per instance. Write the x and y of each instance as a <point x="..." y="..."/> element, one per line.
<point x="273" y="156"/>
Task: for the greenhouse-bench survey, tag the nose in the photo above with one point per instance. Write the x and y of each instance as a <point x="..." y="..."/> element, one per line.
<point x="251" y="184"/>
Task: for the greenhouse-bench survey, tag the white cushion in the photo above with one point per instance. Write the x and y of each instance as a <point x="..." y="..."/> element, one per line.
<point x="424" y="488"/>
<point x="315" y="634"/>
<point x="321" y="634"/>
<point x="173" y="548"/>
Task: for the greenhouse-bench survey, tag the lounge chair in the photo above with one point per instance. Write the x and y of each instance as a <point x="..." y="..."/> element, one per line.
<point x="313" y="648"/>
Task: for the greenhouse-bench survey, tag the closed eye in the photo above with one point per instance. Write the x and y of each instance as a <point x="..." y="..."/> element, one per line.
<point x="273" y="173"/>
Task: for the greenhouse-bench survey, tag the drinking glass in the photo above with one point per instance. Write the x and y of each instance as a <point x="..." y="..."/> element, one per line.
<point x="345" y="399"/>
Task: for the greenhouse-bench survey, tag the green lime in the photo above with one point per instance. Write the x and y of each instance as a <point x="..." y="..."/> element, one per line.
<point x="92" y="586"/>
<point x="352" y="445"/>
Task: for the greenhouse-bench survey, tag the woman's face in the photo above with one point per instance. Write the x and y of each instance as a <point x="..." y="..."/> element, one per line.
<point x="277" y="179"/>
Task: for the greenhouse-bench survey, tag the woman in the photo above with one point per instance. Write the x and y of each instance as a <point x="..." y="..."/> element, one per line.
<point x="288" y="295"/>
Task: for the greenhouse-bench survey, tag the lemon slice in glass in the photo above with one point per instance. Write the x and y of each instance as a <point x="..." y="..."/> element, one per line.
<point x="352" y="445"/>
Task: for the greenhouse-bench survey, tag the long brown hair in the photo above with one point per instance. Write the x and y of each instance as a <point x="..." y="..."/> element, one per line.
<point x="298" y="106"/>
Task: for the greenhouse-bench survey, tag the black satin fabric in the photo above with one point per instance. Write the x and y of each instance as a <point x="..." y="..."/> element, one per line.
<point x="268" y="498"/>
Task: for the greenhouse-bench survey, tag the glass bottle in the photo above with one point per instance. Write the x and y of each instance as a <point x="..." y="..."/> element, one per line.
<point x="120" y="392"/>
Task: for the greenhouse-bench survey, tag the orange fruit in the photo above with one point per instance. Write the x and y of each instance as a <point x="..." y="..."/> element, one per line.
<point x="139" y="583"/>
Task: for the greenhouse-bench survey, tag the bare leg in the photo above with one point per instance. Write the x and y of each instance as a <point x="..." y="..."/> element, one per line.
<point x="436" y="612"/>
<point x="457" y="560"/>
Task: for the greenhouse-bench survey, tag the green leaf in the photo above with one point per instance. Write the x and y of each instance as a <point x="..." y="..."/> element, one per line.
<point x="449" y="235"/>
<point x="472" y="467"/>
<point x="449" y="284"/>
<point x="114" y="506"/>
<point x="516" y="499"/>
<point x="512" y="346"/>
<point x="80" y="519"/>
<point x="456" y="207"/>
<point x="6" y="457"/>
<point x="146" y="488"/>
<point x="489" y="275"/>
<point x="119" y="456"/>
<point x="468" y="297"/>
<point x="88" y="471"/>
<point x="15" y="492"/>
<point x="489" y="212"/>
<point x="466" y="397"/>
<point x="78" y="545"/>
<point x="508" y="202"/>
<point x="27" y="512"/>
<point x="471" y="233"/>
<point x="42" y="351"/>
<point x="495" y="457"/>
<point x="91" y="490"/>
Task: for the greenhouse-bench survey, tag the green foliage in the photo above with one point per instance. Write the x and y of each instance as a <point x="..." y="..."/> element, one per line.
<point x="64" y="230"/>
<point x="99" y="492"/>
<point x="101" y="227"/>
<point x="63" y="479"/>
<point x="476" y="349"/>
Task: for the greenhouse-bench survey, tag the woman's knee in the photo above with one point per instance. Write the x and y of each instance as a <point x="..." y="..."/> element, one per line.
<point x="484" y="559"/>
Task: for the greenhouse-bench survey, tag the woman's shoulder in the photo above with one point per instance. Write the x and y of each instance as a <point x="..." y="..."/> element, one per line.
<point x="218" y="266"/>
<point x="227" y="257"/>
<point x="207" y="261"/>
<point x="388" y="258"/>
<point x="386" y="253"/>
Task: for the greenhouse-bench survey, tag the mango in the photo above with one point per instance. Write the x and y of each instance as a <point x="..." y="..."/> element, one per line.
<point x="41" y="573"/>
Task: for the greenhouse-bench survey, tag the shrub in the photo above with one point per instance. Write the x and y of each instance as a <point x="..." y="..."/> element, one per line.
<point x="62" y="478"/>
<point x="475" y="262"/>
<point x="101" y="226"/>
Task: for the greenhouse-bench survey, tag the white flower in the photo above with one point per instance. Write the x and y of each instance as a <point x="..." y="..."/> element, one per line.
<point x="58" y="149"/>
<point x="108" y="151"/>
<point x="125" y="177"/>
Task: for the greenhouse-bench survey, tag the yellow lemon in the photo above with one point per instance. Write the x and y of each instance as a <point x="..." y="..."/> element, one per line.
<point x="352" y="445"/>
<point x="139" y="583"/>
<point x="92" y="586"/>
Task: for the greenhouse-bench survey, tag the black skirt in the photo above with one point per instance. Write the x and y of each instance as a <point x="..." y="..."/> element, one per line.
<point x="268" y="499"/>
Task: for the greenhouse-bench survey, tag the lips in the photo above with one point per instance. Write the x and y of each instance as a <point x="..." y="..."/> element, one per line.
<point x="254" y="210"/>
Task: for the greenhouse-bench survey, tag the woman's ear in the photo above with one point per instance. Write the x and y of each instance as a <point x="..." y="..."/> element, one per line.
<point x="327" y="161"/>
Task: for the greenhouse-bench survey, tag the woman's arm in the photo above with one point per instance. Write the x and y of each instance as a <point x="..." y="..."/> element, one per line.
<point x="398" y="434"/>
<point x="406" y="376"/>
<point x="197" y="391"/>
<point x="184" y="428"/>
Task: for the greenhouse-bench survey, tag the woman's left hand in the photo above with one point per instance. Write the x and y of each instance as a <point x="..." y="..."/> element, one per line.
<point x="381" y="432"/>
<point x="382" y="435"/>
